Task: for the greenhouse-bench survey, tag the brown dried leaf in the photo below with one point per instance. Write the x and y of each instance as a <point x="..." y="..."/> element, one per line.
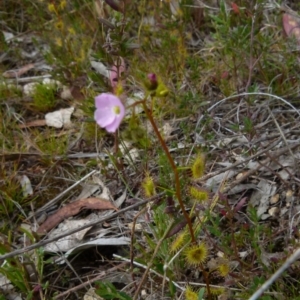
<point x="76" y="93"/>
<point x="73" y="209"/>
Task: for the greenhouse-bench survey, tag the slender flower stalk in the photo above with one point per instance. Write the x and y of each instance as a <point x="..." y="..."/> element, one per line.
<point x="174" y="168"/>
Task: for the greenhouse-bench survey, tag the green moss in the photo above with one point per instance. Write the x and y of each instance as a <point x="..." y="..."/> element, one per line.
<point x="44" y="97"/>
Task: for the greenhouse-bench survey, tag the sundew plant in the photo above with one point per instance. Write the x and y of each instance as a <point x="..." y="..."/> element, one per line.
<point x="149" y="149"/>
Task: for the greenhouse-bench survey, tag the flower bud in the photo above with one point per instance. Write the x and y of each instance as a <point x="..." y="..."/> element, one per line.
<point x="152" y="83"/>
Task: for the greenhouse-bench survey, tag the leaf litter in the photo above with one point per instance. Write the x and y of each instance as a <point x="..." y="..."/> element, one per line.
<point x="73" y="209"/>
<point x="255" y="180"/>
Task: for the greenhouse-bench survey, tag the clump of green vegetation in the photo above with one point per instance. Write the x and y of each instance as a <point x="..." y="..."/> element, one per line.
<point x="44" y="97"/>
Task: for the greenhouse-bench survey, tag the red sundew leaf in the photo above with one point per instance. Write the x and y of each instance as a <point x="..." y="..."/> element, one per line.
<point x="240" y="204"/>
<point x="73" y="209"/>
<point x="291" y="26"/>
<point x="177" y="227"/>
<point x="235" y="8"/>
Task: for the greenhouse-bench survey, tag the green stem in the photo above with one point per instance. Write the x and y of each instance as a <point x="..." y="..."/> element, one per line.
<point x="174" y="168"/>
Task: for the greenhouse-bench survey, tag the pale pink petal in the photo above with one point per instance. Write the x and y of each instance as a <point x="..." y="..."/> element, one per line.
<point x="105" y="114"/>
<point x="117" y="121"/>
<point x="104" y="117"/>
<point x="103" y="100"/>
<point x="112" y="127"/>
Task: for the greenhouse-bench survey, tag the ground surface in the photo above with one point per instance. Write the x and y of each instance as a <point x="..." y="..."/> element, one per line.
<point x="197" y="191"/>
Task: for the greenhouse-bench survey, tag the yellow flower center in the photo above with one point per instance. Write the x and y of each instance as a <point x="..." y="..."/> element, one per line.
<point x="116" y="110"/>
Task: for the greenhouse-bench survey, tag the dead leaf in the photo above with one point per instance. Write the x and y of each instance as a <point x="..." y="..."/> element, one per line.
<point x="73" y="240"/>
<point x="59" y="118"/>
<point x="261" y="197"/>
<point x="216" y="180"/>
<point x="91" y="295"/>
<point x="274" y="199"/>
<point x="76" y="92"/>
<point x="100" y="68"/>
<point x="73" y="209"/>
<point x="274" y="211"/>
<point x="26" y="186"/>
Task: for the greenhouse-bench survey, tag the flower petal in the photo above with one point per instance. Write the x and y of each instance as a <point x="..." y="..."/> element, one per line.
<point x="103" y="100"/>
<point x="105" y="114"/>
<point x="112" y="127"/>
<point x="117" y="121"/>
<point x="104" y="117"/>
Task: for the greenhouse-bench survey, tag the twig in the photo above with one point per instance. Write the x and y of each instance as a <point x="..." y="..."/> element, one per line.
<point x="28" y="79"/>
<point x="276" y="275"/>
<point x="280" y="131"/>
<point x="14" y="156"/>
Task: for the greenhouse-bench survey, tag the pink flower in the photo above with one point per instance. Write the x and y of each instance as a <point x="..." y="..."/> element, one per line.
<point x="109" y="111"/>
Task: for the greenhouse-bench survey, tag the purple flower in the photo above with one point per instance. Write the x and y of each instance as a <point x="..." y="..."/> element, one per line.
<point x="109" y="112"/>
